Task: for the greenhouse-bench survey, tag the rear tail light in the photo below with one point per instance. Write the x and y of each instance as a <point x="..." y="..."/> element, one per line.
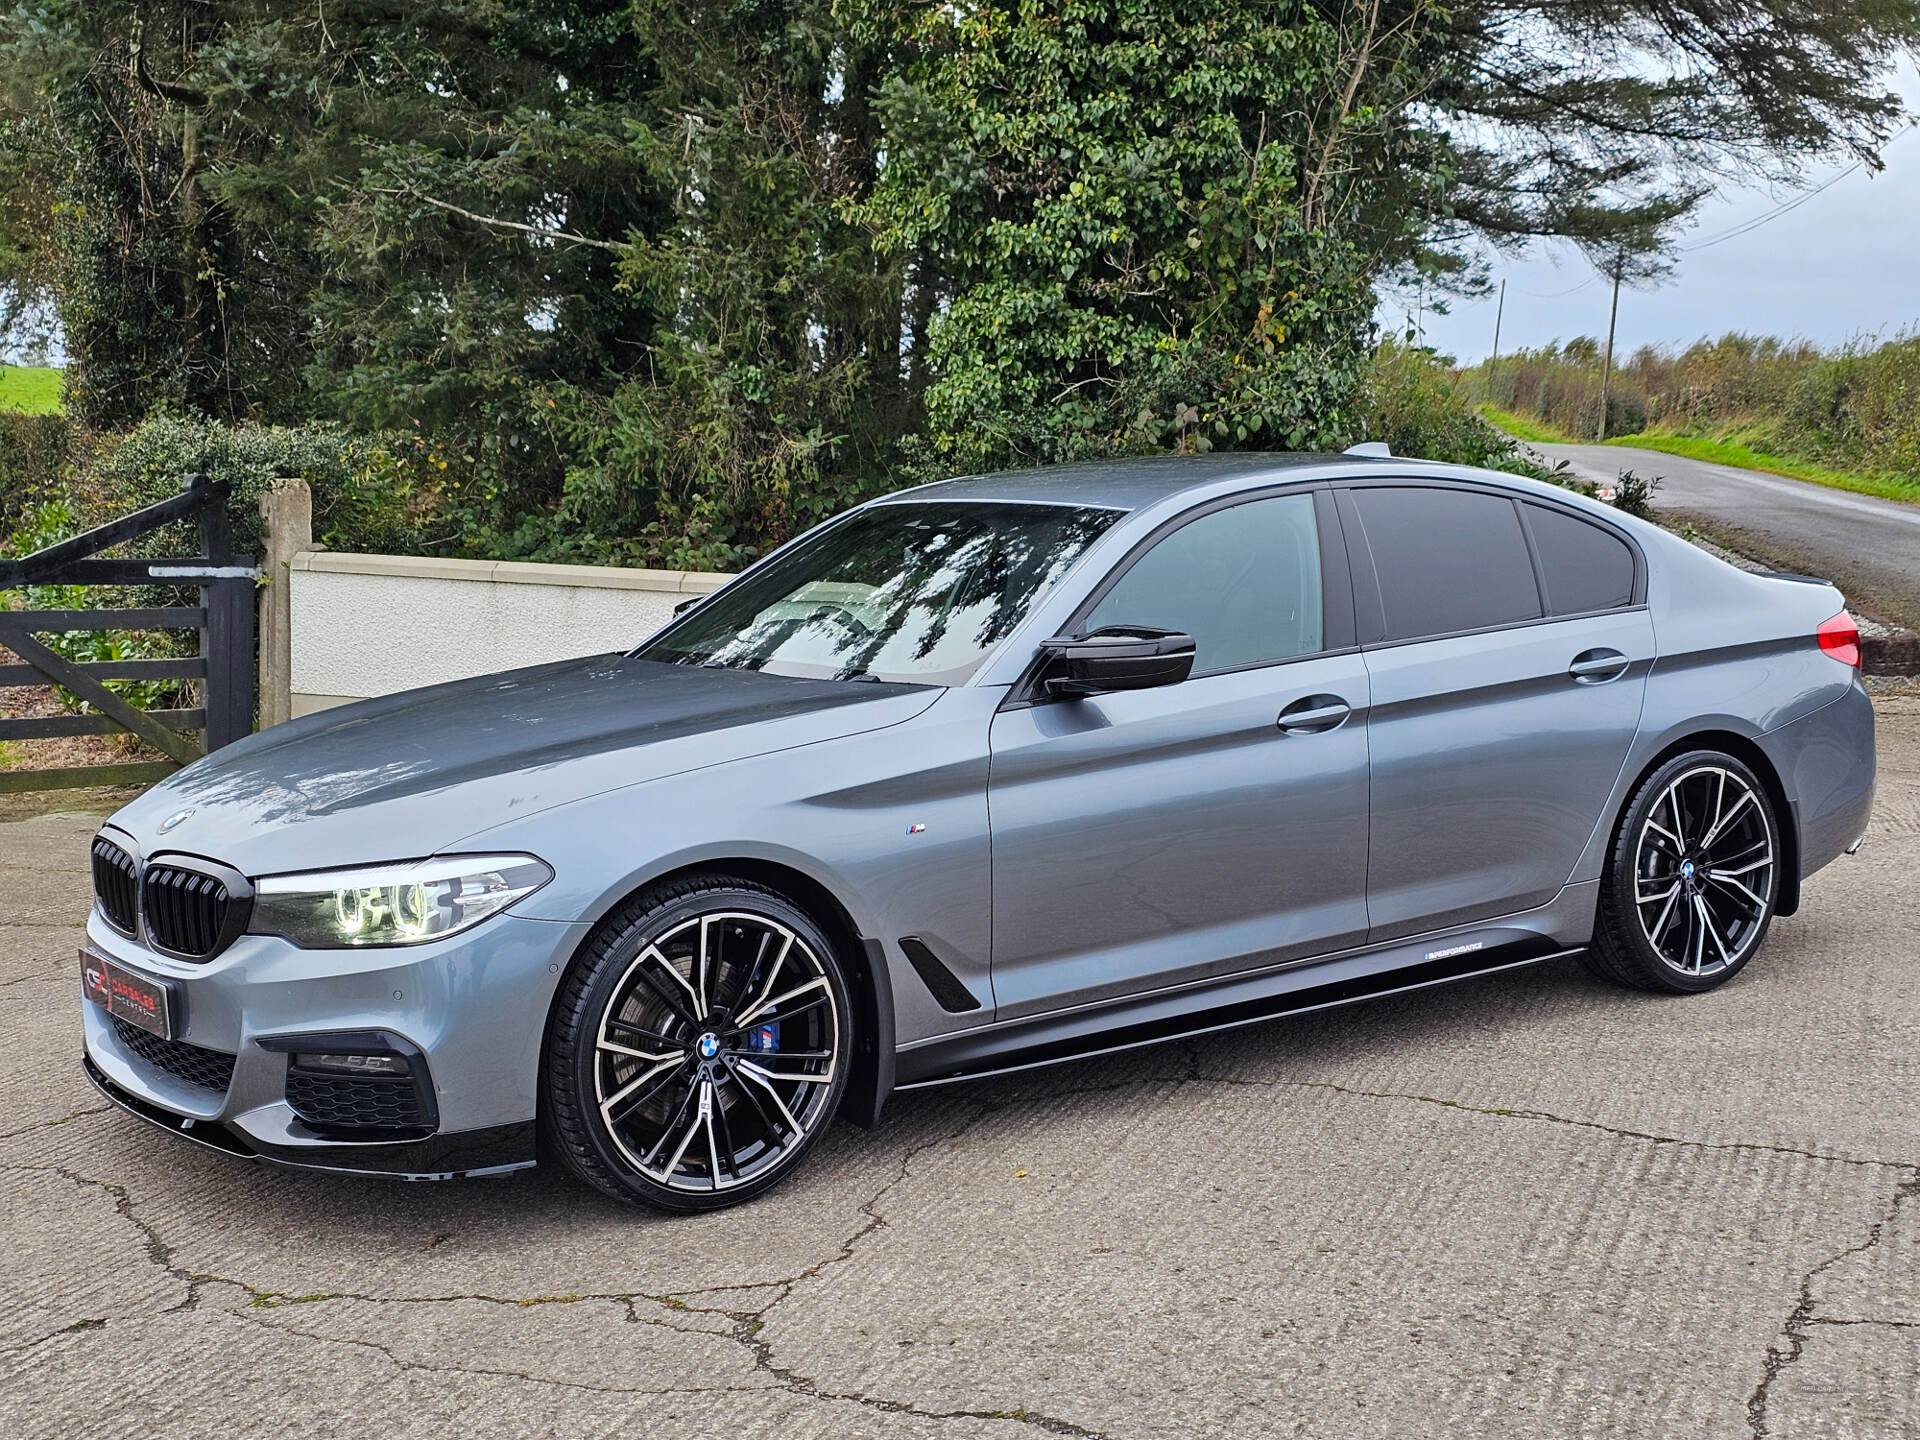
<point x="1840" y="638"/>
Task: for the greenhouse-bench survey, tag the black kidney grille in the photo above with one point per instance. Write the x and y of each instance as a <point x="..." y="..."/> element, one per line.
<point x="115" y="884"/>
<point x="187" y="912"/>
<point x="354" y="1102"/>
<point x="195" y="1064"/>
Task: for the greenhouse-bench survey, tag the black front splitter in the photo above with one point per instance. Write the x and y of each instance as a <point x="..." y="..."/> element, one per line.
<point x="496" y="1150"/>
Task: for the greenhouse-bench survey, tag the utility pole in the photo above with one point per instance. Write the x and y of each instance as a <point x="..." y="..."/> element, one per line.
<point x="1606" y="370"/>
<point x="1499" y="309"/>
<point x="1493" y="360"/>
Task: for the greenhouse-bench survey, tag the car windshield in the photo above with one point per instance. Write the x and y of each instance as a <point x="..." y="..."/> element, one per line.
<point x="915" y="591"/>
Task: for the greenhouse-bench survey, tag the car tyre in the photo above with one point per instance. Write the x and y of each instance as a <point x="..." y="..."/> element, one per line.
<point x="1692" y="878"/>
<point x="698" y="1047"/>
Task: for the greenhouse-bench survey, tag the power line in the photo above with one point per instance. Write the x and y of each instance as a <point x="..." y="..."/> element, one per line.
<point x="1555" y="295"/>
<point x="1746" y="226"/>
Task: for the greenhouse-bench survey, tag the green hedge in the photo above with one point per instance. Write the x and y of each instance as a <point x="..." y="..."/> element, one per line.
<point x="386" y="492"/>
<point x="367" y="494"/>
<point x="33" y="458"/>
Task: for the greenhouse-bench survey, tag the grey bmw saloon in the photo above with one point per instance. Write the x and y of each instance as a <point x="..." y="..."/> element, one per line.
<point x="982" y="775"/>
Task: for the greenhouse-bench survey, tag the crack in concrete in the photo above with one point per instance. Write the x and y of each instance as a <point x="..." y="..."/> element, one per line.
<point x="783" y="1381"/>
<point x="1196" y="1075"/>
<point x="50" y="1124"/>
<point x="159" y="1252"/>
<point x="39" y="1340"/>
<point x="744" y="1329"/>
<point x="435" y="1368"/>
<point x="746" y="1326"/>
<point x="55" y="971"/>
<point x="1794" y="1331"/>
<point x="1547" y="1117"/>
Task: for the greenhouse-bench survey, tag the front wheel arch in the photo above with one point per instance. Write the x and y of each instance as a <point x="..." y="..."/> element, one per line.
<point x="862" y="959"/>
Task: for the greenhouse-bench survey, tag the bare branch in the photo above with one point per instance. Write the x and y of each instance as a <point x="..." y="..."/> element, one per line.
<point x="612" y="246"/>
<point x="1360" y="61"/>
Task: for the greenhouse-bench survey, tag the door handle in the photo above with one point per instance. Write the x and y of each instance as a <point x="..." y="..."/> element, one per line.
<point x="1314" y="714"/>
<point x="1596" y="667"/>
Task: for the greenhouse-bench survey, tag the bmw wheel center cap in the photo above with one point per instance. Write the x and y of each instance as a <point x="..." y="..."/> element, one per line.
<point x="708" y="1045"/>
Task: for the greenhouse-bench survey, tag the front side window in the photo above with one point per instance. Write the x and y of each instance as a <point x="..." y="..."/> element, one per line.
<point x="913" y="592"/>
<point x="1244" y="582"/>
<point x="1446" y="560"/>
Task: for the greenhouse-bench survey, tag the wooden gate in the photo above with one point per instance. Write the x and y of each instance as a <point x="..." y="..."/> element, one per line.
<point x="224" y="667"/>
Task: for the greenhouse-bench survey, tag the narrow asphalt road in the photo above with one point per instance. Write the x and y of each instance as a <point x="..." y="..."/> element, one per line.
<point x="1869" y="548"/>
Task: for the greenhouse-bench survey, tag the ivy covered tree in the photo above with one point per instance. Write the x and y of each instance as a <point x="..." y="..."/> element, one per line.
<point x="1147" y="223"/>
<point x="1142" y="222"/>
<point x="772" y="394"/>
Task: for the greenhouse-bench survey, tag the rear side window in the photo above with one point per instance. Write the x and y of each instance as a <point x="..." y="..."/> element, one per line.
<point x="1244" y="582"/>
<point x="1585" y="567"/>
<point x="1447" y="560"/>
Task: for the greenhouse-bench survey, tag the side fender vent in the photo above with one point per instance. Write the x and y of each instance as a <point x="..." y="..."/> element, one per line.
<point x="944" y="985"/>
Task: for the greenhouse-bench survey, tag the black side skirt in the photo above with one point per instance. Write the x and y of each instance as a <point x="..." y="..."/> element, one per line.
<point x="1052" y="1040"/>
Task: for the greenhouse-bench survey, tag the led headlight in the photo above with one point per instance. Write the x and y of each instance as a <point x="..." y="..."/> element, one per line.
<point x="408" y="903"/>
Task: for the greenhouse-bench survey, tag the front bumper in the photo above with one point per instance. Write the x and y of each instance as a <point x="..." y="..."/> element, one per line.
<point x="474" y="1006"/>
<point x="494" y="1151"/>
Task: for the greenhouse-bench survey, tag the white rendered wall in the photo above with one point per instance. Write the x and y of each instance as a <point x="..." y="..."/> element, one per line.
<point x="367" y="625"/>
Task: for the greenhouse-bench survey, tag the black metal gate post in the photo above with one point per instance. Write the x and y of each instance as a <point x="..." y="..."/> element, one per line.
<point x="226" y="643"/>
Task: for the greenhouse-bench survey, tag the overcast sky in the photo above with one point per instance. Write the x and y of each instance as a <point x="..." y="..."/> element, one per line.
<point x="1844" y="263"/>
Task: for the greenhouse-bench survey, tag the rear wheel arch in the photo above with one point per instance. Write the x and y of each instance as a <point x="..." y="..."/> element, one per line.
<point x="1743" y="749"/>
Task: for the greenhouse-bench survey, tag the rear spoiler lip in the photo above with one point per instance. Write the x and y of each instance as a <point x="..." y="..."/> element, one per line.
<point x="1797" y="579"/>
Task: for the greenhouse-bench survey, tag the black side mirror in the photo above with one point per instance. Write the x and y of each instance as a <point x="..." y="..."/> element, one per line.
<point x="1115" y="657"/>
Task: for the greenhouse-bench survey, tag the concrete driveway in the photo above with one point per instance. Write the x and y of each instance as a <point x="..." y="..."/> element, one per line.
<point x="1870" y="548"/>
<point x="1531" y="1207"/>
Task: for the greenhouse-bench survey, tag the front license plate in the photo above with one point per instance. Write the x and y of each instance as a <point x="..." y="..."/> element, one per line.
<point x="137" y="999"/>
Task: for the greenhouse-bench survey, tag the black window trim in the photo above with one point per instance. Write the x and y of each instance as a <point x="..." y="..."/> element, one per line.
<point x="1370" y="608"/>
<point x="1336" y="582"/>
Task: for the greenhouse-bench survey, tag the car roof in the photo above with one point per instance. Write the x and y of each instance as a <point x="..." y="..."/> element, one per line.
<point x="1127" y="483"/>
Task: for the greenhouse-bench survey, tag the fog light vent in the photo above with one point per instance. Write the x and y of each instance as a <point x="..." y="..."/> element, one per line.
<point x="363" y="1085"/>
<point x="367" y="1107"/>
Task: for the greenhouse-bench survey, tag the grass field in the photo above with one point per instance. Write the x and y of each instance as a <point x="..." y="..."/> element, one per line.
<point x="1720" y="452"/>
<point x="1522" y="427"/>
<point x="31" y="389"/>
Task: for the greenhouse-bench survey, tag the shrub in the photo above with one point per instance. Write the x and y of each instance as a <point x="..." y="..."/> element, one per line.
<point x="1409" y="400"/>
<point x="367" y="491"/>
<point x="1855" y="407"/>
<point x="33" y="459"/>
